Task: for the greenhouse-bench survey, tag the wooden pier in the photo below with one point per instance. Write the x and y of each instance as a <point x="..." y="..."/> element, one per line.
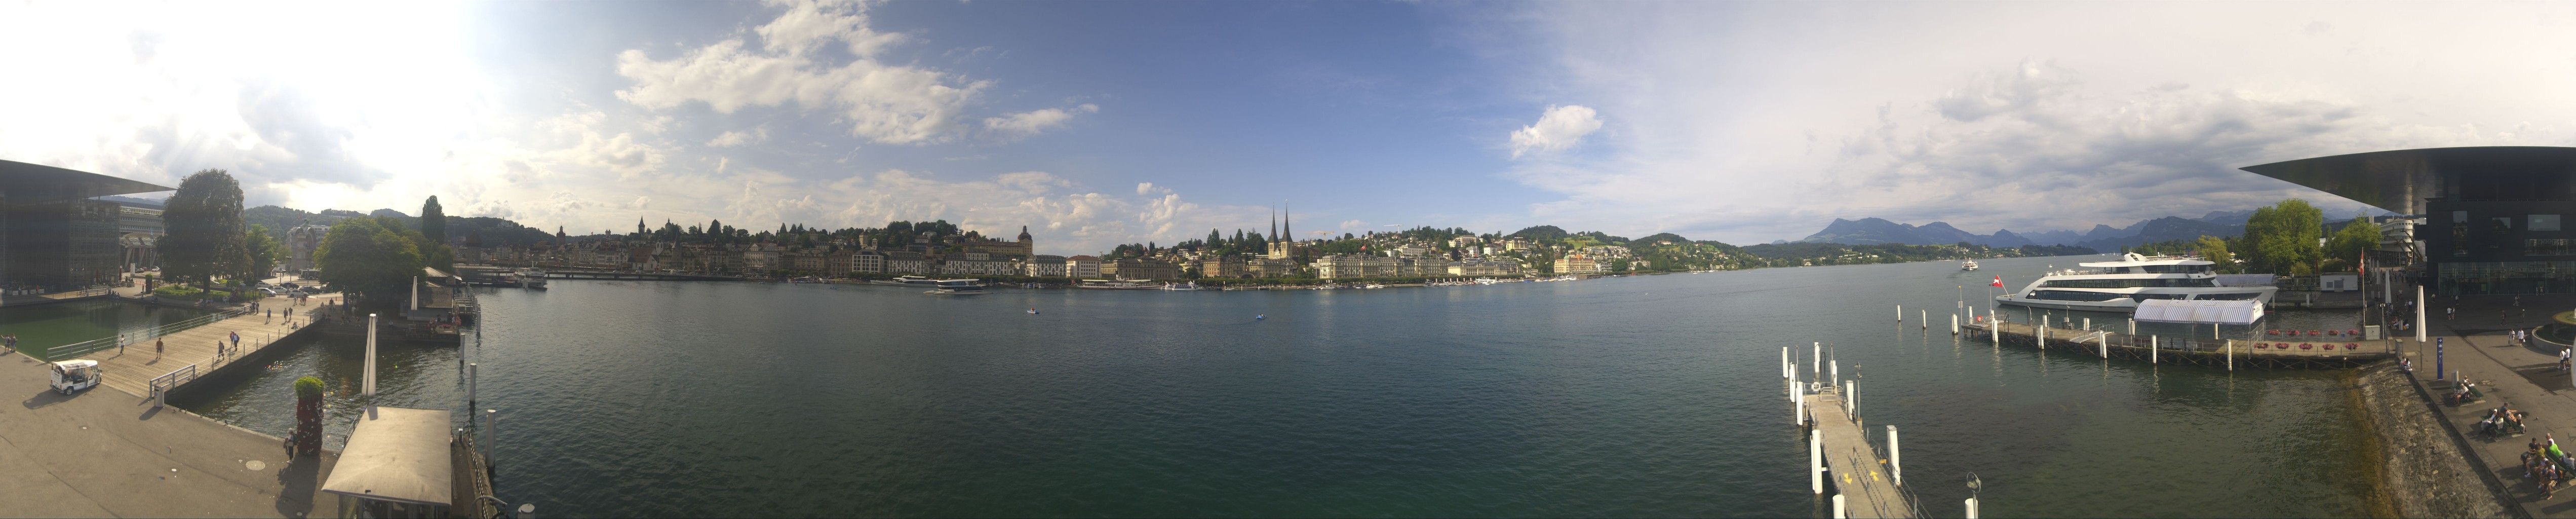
<point x="1865" y="482"/>
<point x="2293" y="349"/>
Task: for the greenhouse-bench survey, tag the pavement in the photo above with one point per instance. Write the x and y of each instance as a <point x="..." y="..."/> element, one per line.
<point x="132" y="367"/>
<point x="103" y="452"/>
<point x="2476" y="346"/>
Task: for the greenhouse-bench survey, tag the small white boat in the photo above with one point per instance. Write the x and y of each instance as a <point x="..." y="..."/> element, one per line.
<point x="530" y="278"/>
<point x="1968" y="265"/>
<point x="1184" y="286"/>
<point x="958" y="287"/>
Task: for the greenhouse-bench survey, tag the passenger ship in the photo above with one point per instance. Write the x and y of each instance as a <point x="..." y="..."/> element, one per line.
<point x="2118" y="286"/>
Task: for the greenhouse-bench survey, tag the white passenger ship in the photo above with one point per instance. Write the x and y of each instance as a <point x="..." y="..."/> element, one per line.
<point x="2118" y="286"/>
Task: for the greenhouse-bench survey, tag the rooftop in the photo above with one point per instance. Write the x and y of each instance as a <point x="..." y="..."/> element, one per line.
<point x="2400" y="180"/>
<point x="20" y="180"/>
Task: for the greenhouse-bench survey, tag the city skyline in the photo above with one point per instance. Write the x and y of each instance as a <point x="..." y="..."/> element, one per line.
<point x="1104" y="123"/>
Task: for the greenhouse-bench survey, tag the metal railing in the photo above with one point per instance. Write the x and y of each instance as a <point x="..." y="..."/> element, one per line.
<point x="134" y="337"/>
<point x="161" y="385"/>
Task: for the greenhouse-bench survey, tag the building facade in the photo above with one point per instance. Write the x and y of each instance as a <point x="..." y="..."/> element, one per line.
<point x="1082" y="267"/>
<point x="2493" y="218"/>
<point x="1045" y="266"/>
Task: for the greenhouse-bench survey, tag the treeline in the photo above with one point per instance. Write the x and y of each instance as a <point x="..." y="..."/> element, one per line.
<point x="2280" y="239"/>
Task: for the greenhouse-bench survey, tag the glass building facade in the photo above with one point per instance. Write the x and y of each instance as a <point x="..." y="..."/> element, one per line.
<point x="2493" y="218"/>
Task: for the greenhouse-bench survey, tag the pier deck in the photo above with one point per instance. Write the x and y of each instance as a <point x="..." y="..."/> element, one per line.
<point x="1854" y="468"/>
<point x="2325" y="351"/>
<point x="132" y="369"/>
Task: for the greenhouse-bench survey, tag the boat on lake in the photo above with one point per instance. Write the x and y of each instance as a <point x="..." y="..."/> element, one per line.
<point x="529" y="278"/>
<point x="1968" y="265"/>
<point x="1116" y="284"/>
<point x="2118" y="286"/>
<point x="956" y="287"/>
<point x="906" y="281"/>
<point x="1184" y="286"/>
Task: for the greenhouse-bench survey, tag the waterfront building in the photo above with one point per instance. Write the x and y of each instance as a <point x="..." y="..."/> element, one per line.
<point x="1045" y="266"/>
<point x="978" y="264"/>
<point x="52" y="234"/>
<point x="836" y="263"/>
<point x="1140" y="269"/>
<point x="807" y="261"/>
<point x="867" y="261"/>
<point x="1269" y="268"/>
<point x="1222" y="266"/>
<point x="1082" y="267"/>
<point x="2484" y="220"/>
<point x="908" y="262"/>
<point x="139" y="230"/>
<point x="1483" y="268"/>
<point x="1018" y="248"/>
<point x="1578" y="264"/>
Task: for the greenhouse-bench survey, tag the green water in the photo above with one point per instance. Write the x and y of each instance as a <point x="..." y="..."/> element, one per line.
<point x="44" y="326"/>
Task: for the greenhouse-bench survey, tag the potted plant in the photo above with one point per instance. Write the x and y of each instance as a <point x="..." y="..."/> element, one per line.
<point x="308" y="418"/>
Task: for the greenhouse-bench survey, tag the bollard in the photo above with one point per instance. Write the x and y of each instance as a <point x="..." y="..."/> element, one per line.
<point x="1816" y="461"/>
<point x="1839" y="513"/>
<point x="1895" y="461"/>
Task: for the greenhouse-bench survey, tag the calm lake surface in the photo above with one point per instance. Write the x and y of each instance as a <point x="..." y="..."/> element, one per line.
<point x="1642" y="396"/>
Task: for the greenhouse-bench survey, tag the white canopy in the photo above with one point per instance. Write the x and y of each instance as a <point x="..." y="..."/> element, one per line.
<point x="2199" y="312"/>
<point x="397" y="455"/>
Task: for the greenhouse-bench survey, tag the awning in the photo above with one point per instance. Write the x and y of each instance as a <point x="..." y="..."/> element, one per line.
<point x="398" y="455"/>
<point x="2199" y="312"/>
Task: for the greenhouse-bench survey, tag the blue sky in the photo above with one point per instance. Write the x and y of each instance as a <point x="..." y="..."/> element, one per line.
<point x="1097" y="123"/>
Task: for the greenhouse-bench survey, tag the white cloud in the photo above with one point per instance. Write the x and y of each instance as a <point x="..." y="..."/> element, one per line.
<point x="1031" y="122"/>
<point x="886" y="103"/>
<point x="1992" y="117"/>
<point x="737" y="138"/>
<point x="1144" y="187"/>
<point x="1557" y="129"/>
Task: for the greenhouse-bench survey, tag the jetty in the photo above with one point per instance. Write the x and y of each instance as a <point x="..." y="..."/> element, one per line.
<point x="1866" y="483"/>
<point x="2276" y="349"/>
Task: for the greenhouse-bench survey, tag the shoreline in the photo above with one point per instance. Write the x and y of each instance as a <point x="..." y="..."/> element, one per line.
<point x="2420" y="466"/>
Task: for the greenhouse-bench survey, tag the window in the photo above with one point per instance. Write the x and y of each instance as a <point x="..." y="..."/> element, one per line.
<point x="2546" y="247"/>
<point x="2459" y="216"/>
<point x="2543" y="222"/>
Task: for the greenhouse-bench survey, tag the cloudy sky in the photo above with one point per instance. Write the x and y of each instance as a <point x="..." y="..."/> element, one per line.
<point x="1096" y="123"/>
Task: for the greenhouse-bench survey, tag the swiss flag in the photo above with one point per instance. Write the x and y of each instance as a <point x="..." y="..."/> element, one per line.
<point x="1999" y="281"/>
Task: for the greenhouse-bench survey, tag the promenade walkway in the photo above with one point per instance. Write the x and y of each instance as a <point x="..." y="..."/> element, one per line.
<point x="2476" y="345"/>
<point x="132" y="368"/>
<point x="101" y="453"/>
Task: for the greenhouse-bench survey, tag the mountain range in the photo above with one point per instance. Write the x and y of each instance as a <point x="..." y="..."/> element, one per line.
<point x="2100" y="237"/>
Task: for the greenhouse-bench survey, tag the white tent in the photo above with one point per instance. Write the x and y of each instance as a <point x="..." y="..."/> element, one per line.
<point x="2239" y="312"/>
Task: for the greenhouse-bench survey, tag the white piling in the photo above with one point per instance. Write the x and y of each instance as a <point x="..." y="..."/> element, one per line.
<point x="1972" y="508"/>
<point x="2419" y="316"/>
<point x="2105" y="342"/>
<point x="1851" y="399"/>
<point x="2133" y="327"/>
<point x="471" y="376"/>
<point x="1926" y="318"/>
<point x="1895" y="461"/>
<point x="1785" y="370"/>
<point x="2088" y="323"/>
<point x="1994" y="328"/>
<point x="1837" y="371"/>
<point x="1839" y="512"/>
<point x="1954" y="323"/>
<point x="1900" y="313"/>
<point x="1800" y="412"/>
<point x="2154" y="350"/>
<point x="2231" y="355"/>
<point x="1816" y="461"/>
<point x="1818" y="358"/>
<point x="367" y="382"/>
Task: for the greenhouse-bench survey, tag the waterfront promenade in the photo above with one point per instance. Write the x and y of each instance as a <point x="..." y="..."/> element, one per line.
<point x="2476" y="346"/>
<point x="132" y="368"/>
<point x="104" y="453"/>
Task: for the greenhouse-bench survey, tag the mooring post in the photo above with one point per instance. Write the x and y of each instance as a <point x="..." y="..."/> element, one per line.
<point x="1816" y="461"/>
<point x="2088" y="324"/>
<point x="1799" y="411"/>
<point x="470" y="379"/>
<point x="1851" y="399"/>
<point x="1900" y="313"/>
<point x="1926" y="319"/>
<point x="2133" y="327"/>
<point x="1972" y="508"/>
<point x="1784" y="363"/>
<point x="1994" y="328"/>
<point x="2153" y="349"/>
<point x="1895" y="461"/>
<point x="2105" y="341"/>
<point x="1954" y="323"/>
<point x="1839" y="513"/>
<point x="1818" y="358"/>
<point x="2231" y="355"/>
<point x="1837" y="371"/>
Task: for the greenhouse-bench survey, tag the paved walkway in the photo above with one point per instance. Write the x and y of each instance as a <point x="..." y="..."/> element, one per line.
<point x="2476" y="346"/>
<point x="132" y="368"/>
<point x="104" y="453"/>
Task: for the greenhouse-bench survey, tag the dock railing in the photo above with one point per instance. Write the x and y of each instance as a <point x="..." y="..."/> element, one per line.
<point x="138" y="336"/>
<point x="161" y="385"/>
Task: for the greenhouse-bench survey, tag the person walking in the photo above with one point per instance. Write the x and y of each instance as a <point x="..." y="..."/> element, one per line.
<point x="236" y="338"/>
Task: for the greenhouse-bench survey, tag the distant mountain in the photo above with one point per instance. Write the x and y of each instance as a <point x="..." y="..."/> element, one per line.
<point x="1868" y="231"/>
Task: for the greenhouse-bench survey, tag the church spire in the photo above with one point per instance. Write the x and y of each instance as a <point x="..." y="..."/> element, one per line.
<point x="1274" y="225"/>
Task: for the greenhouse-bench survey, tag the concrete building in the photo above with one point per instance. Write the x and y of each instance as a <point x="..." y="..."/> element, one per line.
<point x="2494" y="218"/>
<point x="1082" y="267"/>
<point x="1222" y="266"/>
<point x="1140" y="269"/>
<point x="1578" y="264"/>
<point x="1045" y="266"/>
<point x="301" y="241"/>
<point x="908" y="262"/>
<point x="978" y="264"/>
<point x="867" y="261"/>
<point x="52" y="235"/>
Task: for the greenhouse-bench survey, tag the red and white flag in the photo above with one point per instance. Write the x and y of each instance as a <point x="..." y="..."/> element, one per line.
<point x="1999" y="281"/>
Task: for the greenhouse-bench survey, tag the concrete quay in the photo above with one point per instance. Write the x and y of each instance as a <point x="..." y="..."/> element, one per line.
<point x="104" y="452"/>
<point x="2476" y="345"/>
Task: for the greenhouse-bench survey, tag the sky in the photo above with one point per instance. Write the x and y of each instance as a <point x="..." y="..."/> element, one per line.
<point x="1099" y="123"/>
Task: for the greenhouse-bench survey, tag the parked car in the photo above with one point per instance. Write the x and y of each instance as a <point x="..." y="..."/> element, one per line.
<point x="289" y="285"/>
<point x="271" y="292"/>
<point x="312" y="290"/>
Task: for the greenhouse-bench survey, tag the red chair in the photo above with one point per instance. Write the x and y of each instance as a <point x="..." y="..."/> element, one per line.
<point x="2261" y="345"/>
<point x="2355" y="346"/>
<point x="2355" y="333"/>
<point x="2312" y="333"/>
<point x="2304" y="345"/>
<point x="2334" y="332"/>
<point x="2271" y="332"/>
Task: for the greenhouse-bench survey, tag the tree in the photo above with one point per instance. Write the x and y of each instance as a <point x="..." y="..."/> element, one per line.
<point x="433" y="233"/>
<point x="375" y="258"/>
<point x="2214" y="249"/>
<point x="203" y="227"/>
<point x="260" y="252"/>
<point x="2282" y="239"/>
<point x="2344" y="249"/>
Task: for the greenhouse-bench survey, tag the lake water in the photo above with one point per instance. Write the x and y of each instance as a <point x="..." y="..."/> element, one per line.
<point x="1642" y="396"/>
<point x="44" y="326"/>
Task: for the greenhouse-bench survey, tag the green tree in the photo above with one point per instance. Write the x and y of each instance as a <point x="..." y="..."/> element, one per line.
<point x="433" y="232"/>
<point x="203" y="228"/>
<point x="2344" y="249"/>
<point x="260" y="252"/>
<point x="2214" y="249"/>
<point x="2282" y="238"/>
<point x="374" y="258"/>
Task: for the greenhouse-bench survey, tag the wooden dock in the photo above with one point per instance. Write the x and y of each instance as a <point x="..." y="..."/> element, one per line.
<point x="2292" y="350"/>
<point x="1865" y="480"/>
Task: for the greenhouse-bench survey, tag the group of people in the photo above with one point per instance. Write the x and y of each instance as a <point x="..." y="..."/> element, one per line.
<point x="2467" y="391"/>
<point x="2500" y="421"/>
<point x="2547" y="465"/>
